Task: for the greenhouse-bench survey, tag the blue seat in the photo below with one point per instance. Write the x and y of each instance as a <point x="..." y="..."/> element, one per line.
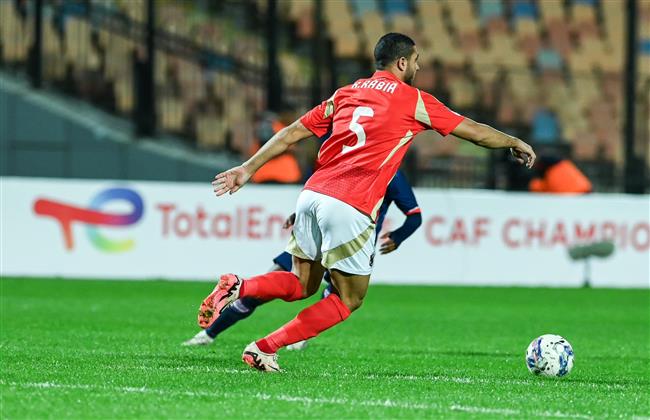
<point x="361" y="7"/>
<point x="396" y="7"/>
<point x="489" y="9"/>
<point x="545" y="127"/>
<point x="549" y="59"/>
<point x="644" y="48"/>
<point x="524" y="9"/>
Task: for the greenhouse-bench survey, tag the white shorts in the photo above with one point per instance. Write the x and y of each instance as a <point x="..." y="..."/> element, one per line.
<point x="334" y="232"/>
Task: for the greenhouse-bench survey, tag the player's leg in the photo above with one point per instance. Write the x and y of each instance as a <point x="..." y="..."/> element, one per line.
<point x="346" y="237"/>
<point x="244" y="307"/>
<point x="311" y="321"/>
<point x="304" y="244"/>
<point x="240" y="309"/>
<point x="351" y="288"/>
<point x="329" y="288"/>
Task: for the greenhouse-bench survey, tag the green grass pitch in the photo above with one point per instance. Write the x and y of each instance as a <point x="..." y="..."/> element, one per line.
<point x="110" y="349"/>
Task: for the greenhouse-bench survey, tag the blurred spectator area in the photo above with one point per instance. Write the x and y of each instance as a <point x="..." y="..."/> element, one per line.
<point x="549" y="71"/>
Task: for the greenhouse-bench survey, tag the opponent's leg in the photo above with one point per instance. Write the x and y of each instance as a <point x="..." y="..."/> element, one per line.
<point x="240" y="309"/>
<point x="330" y="287"/>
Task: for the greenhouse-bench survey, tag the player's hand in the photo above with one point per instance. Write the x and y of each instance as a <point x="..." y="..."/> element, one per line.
<point x="230" y="181"/>
<point x="523" y="154"/>
<point x="290" y="221"/>
<point x="388" y="245"/>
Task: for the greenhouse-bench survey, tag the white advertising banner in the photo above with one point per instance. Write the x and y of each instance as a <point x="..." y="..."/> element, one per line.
<point x="142" y="230"/>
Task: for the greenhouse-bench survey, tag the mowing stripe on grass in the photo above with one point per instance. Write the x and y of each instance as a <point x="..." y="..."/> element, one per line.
<point x="537" y="382"/>
<point x="295" y="399"/>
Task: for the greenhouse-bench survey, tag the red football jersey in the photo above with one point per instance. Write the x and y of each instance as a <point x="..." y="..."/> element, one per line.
<point x="373" y="122"/>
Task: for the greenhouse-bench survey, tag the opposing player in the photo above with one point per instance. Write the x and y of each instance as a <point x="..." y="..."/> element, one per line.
<point x="372" y="123"/>
<point x="399" y="192"/>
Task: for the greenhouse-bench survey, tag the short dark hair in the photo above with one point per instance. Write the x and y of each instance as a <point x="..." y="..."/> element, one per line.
<point x="392" y="47"/>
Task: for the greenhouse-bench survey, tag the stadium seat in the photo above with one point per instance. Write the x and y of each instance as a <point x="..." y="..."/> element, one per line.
<point x="361" y="7"/>
<point x="585" y="89"/>
<point x="490" y="10"/>
<point x="372" y="24"/>
<point x="134" y="9"/>
<point x="552" y="11"/>
<point x="119" y="51"/>
<point x="301" y="12"/>
<point x="160" y="71"/>
<point x="339" y="19"/>
<point x="172" y="114"/>
<point x="462" y="16"/>
<point x="523" y="86"/>
<point x="396" y="7"/>
<point x="585" y="146"/>
<point x="297" y="8"/>
<point x="469" y="42"/>
<point x="123" y="89"/>
<point x="583" y="20"/>
<point x="53" y="64"/>
<point x="211" y="131"/>
<point x="191" y="79"/>
<point x="558" y="33"/>
<point x="524" y="9"/>
<point x="463" y="92"/>
<point x="16" y="34"/>
<point x="527" y="34"/>
<point x="614" y="21"/>
<point x="427" y="11"/>
<point x="403" y="23"/>
<point x="505" y="50"/>
<point x="346" y="45"/>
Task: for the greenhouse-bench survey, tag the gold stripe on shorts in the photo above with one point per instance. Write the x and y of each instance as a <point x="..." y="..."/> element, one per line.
<point x="347" y="249"/>
<point x="294" y="249"/>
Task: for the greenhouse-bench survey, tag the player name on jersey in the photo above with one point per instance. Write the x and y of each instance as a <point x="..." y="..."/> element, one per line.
<point x="375" y="84"/>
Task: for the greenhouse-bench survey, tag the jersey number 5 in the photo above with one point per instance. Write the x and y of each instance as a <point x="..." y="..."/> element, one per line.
<point x="356" y="128"/>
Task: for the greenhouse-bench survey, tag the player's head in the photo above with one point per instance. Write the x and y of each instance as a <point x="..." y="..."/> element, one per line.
<point x="398" y="54"/>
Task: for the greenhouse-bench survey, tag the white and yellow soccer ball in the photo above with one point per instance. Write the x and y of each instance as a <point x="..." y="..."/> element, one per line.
<point x="550" y="355"/>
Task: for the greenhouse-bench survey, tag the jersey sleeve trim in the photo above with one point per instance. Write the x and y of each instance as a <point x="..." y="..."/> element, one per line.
<point x="402" y="142"/>
<point x="415" y="210"/>
<point x="421" y="113"/>
<point x="329" y="108"/>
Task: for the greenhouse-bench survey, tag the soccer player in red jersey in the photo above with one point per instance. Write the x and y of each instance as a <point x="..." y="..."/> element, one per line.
<point x="372" y="122"/>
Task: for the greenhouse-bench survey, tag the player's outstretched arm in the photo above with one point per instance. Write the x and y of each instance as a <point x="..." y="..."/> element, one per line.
<point x="486" y="136"/>
<point x="233" y="179"/>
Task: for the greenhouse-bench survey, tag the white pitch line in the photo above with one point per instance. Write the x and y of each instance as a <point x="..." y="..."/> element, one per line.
<point x="296" y="399"/>
<point x="538" y="382"/>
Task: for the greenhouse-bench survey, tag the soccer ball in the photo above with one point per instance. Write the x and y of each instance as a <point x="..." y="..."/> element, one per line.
<point x="550" y="355"/>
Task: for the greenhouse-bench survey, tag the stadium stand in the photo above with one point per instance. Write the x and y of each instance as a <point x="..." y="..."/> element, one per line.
<point x="551" y="69"/>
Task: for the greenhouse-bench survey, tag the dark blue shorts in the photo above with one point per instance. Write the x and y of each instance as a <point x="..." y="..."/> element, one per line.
<point x="285" y="262"/>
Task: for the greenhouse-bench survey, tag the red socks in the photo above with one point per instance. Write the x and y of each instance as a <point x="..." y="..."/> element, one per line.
<point x="277" y="284"/>
<point x="310" y="322"/>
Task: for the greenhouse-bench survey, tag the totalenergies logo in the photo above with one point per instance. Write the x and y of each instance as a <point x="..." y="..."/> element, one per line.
<point x="93" y="217"/>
